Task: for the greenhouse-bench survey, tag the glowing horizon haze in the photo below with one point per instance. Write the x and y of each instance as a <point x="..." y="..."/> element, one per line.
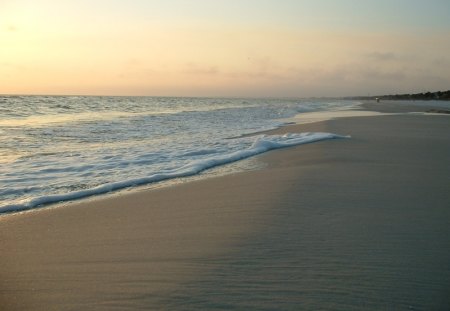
<point x="257" y="48"/>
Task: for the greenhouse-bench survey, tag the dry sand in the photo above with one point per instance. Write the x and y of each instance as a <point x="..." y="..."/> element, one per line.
<point x="360" y="223"/>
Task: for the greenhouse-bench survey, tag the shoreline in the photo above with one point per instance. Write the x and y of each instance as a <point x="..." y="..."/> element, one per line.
<point x="338" y="224"/>
<point x="365" y="108"/>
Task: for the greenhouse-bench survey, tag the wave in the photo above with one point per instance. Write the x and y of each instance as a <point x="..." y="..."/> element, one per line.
<point x="262" y="144"/>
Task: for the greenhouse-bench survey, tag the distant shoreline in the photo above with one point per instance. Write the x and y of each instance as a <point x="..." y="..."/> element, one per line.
<point x="440" y="95"/>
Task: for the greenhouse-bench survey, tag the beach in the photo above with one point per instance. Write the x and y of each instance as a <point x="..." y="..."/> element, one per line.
<point x="347" y="224"/>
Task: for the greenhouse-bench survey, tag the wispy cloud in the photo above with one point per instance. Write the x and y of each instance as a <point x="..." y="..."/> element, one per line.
<point x="382" y="56"/>
<point x="12" y="28"/>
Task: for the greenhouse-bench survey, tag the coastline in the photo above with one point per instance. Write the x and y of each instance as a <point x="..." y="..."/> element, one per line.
<point x="358" y="223"/>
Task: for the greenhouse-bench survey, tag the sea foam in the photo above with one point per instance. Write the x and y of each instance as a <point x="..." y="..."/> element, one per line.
<point x="262" y="143"/>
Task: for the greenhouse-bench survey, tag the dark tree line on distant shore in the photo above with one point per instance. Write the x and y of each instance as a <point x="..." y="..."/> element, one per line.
<point x="445" y="95"/>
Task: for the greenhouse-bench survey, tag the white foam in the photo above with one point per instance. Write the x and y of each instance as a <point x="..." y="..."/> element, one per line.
<point x="260" y="145"/>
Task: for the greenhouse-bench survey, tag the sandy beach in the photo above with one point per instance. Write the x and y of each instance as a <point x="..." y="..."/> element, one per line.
<point x="348" y="224"/>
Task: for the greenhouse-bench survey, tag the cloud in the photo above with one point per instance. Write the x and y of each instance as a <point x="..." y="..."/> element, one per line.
<point x="372" y="74"/>
<point x="12" y="28"/>
<point x="382" y="56"/>
<point x="440" y="62"/>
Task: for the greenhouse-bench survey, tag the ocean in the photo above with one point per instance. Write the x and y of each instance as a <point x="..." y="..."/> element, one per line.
<point x="60" y="148"/>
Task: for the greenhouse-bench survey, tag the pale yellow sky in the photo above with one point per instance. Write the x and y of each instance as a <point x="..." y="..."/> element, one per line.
<point x="222" y="48"/>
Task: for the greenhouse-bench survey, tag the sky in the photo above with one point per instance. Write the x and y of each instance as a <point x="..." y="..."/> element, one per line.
<point x="235" y="48"/>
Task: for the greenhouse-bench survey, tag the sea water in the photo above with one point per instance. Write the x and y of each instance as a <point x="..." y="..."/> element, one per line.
<point x="59" y="148"/>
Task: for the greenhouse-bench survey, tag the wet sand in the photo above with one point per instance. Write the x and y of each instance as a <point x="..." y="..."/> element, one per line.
<point x="349" y="224"/>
